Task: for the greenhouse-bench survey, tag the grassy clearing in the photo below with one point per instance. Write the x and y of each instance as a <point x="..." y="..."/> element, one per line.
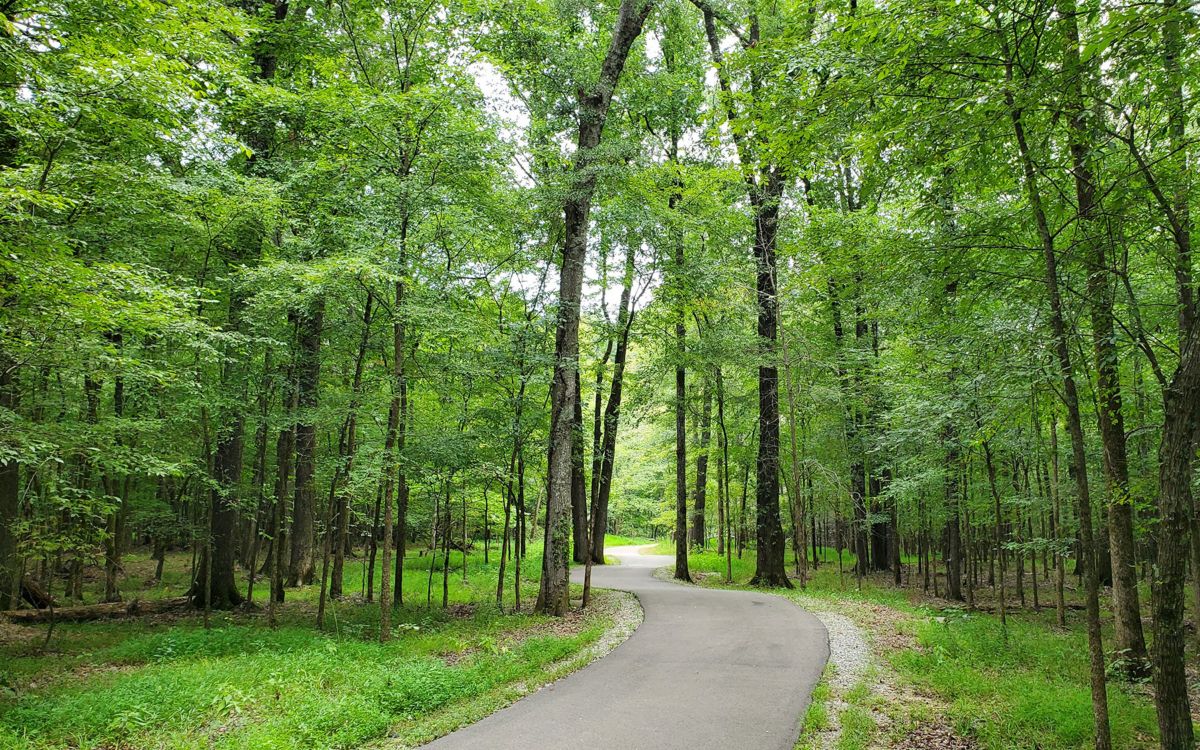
<point x="1025" y="686"/>
<point x="615" y="540"/>
<point x="168" y="683"/>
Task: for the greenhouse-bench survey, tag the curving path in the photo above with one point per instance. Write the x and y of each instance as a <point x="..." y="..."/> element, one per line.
<point x="707" y="668"/>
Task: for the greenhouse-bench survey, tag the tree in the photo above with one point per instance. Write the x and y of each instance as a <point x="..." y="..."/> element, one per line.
<point x="593" y="107"/>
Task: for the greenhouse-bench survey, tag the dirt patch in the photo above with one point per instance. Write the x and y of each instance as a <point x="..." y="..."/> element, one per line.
<point x="891" y="629"/>
<point x="934" y="736"/>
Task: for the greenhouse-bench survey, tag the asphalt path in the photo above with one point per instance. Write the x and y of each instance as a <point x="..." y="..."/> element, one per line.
<point x="707" y="668"/>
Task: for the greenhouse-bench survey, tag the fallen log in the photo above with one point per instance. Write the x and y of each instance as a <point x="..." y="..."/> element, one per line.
<point x="87" y="612"/>
<point x="32" y="592"/>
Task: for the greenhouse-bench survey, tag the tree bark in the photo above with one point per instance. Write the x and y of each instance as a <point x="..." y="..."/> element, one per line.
<point x="303" y="560"/>
<point x="699" y="498"/>
<point x="10" y="497"/>
<point x="579" y="499"/>
<point x="1130" y="639"/>
<point x="765" y="185"/>
<point x="612" y="411"/>
<point x="593" y="108"/>
<point x="769" y="569"/>
<point x="348" y="445"/>
<point x="1176" y="451"/>
<point x="1070" y="398"/>
<point x="214" y="586"/>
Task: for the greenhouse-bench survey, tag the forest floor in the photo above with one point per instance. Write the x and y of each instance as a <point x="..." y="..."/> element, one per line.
<point x="911" y="671"/>
<point x="164" y="681"/>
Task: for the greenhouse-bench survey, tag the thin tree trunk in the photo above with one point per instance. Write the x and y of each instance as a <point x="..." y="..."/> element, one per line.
<point x="999" y="536"/>
<point x="1126" y="608"/>
<point x="348" y="446"/>
<point x="699" y="498"/>
<point x="612" y="410"/>
<point x="1087" y="561"/>
<point x="302" y="568"/>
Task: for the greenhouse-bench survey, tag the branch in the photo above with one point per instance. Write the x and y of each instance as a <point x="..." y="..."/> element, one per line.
<point x="707" y="9"/>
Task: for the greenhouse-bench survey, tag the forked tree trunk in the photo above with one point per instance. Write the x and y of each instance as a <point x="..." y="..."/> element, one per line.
<point x="593" y="108"/>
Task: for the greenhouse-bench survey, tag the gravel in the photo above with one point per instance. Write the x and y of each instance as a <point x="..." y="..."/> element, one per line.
<point x="849" y="652"/>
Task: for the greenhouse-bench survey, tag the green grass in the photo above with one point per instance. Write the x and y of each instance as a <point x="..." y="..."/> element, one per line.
<point x="1024" y="689"/>
<point x="169" y="683"/>
<point x="614" y="540"/>
<point x="1027" y="688"/>
<point x="816" y="718"/>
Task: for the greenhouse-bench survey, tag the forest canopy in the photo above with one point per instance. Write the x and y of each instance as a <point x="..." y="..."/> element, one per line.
<point x="288" y="287"/>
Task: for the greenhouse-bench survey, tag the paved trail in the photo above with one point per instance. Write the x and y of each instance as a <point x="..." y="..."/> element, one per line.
<point x="707" y="669"/>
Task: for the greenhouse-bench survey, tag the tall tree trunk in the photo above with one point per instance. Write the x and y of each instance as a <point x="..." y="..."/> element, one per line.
<point x="579" y="499"/>
<point x="1070" y="397"/>
<point x="1126" y="608"/>
<point x="10" y="497"/>
<point x="285" y="448"/>
<point x="769" y="570"/>
<point x="699" y="498"/>
<point x="214" y="586"/>
<point x="348" y="445"/>
<point x="681" y="544"/>
<point x="120" y="490"/>
<point x="726" y="531"/>
<point x="220" y="586"/>
<point x="1175" y="455"/>
<point x="303" y="561"/>
<point x="682" y="572"/>
<point x="593" y="108"/>
<point x="612" y="410"/>
<point x="999" y="529"/>
<point x="765" y="185"/>
<point x="10" y="470"/>
<point x="799" y="547"/>
<point x="395" y="480"/>
<point x="259" y="481"/>
<point x="1181" y="401"/>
